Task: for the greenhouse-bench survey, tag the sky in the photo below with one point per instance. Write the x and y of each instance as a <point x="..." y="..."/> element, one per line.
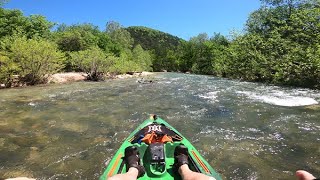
<point x="182" y="18"/>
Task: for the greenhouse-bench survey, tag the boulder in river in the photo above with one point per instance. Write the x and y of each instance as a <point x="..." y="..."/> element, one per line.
<point x="145" y="81"/>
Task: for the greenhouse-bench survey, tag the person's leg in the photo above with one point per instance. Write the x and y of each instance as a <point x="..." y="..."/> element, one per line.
<point x="187" y="174"/>
<point x="181" y="162"/>
<point x="135" y="169"/>
<point x="132" y="174"/>
<point x="304" y="175"/>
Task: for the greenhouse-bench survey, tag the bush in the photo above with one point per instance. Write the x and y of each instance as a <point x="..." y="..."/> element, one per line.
<point x="36" y="58"/>
<point x="8" y="69"/>
<point x="92" y="61"/>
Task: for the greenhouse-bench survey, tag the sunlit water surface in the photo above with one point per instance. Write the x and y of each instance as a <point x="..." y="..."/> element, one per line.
<point x="244" y="130"/>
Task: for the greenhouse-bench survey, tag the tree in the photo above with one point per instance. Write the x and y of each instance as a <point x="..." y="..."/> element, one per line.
<point x="219" y="39"/>
<point x="37" y="59"/>
<point x="77" y="37"/>
<point x="113" y="26"/>
<point x="14" y="22"/>
<point x="201" y="38"/>
<point x="38" y="26"/>
<point x="119" y="35"/>
<point x="92" y="61"/>
<point x="289" y="32"/>
<point x="142" y="59"/>
<point x="8" y="68"/>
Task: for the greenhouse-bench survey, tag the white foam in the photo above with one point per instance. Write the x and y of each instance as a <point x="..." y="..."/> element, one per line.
<point x="210" y="95"/>
<point x="280" y="98"/>
<point x="199" y="112"/>
<point x="32" y="104"/>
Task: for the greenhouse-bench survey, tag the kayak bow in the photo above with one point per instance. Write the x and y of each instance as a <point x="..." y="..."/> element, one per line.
<point x="156" y="141"/>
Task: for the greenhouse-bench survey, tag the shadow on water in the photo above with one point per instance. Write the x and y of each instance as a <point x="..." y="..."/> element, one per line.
<point x="244" y="130"/>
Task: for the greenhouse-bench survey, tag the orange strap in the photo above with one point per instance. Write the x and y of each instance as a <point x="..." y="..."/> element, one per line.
<point x="153" y="138"/>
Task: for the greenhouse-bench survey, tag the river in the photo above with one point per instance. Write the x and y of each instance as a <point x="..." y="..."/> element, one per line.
<point x="245" y="130"/>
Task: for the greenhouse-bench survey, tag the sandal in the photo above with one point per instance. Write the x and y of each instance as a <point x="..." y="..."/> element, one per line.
<point x="180" y="156"/>
<point x="132" y="158"/>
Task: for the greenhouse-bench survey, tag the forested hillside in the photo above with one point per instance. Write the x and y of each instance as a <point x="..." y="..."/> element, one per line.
<point x="159" y="43"/>
<point x="280" y="45"/>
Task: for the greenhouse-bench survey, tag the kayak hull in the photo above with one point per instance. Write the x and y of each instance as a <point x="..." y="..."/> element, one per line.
<point x="162" y="167"/>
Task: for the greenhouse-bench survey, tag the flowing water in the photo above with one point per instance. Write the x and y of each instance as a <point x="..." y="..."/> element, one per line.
<point x="244" y="130"/>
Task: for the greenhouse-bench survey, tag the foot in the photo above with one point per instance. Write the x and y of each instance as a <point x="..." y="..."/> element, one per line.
<point x="180" y="156"/>
<point x="131" y="156"/>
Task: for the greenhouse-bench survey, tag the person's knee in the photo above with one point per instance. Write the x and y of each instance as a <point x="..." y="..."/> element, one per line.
<point x="304" y="175"/>
<point x="112" y="178"/>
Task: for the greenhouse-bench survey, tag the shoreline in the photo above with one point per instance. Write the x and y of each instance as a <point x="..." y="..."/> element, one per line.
<point x="68" y="77"/>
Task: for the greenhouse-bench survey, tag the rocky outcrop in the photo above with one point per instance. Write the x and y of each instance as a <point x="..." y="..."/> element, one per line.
<point x="67" y="77"/>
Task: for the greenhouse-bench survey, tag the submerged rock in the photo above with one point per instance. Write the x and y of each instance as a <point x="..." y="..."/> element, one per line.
<point x="23" y="141"/>
<point x="145" y="81"/>
<point x="313" y="107"/>
<point x="34" y="154"/>
<point x="101" y="139"/>
<point x="2" y="140"/>
<point x="75" y="126"/>
<point x="3" y="123"/>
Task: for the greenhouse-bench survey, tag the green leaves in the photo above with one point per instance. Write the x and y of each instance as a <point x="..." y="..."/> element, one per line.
<point x="92" y="61"/>
<point x="77" y="37"/>
<point x="36" y="59"/>
<point x="280" y="46"/>
<point x="8" y="68"/>
<point x="13" y="22"/>
<point x="160" y="44"/>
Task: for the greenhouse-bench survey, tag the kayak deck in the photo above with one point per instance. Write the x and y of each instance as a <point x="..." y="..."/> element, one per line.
<point x="156" y="141"/>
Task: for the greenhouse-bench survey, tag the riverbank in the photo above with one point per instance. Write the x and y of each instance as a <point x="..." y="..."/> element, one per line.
<point x="68" y="77"/>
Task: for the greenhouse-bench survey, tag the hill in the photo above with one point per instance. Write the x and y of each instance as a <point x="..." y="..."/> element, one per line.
<point x="160" y="43"/>
<point x="153" y="39"/>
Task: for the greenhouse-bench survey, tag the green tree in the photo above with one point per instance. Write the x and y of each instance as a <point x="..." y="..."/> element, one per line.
<point x="92" y="61"/>
<point x="14" y="22"/>
<point x="8" y="68"/>
<point x="77" y="37"/>
<point x="11" y="22"/>
<point x="162" y="46"/>
<point x="38" y="26"/>
<point x="142" y="58"/>
<point x="113" y="26"/>
<point x="284" y="35"/>
<point x="123" y="63"/>
<point x="119" y="35"/>
<point x="37" y="59"/>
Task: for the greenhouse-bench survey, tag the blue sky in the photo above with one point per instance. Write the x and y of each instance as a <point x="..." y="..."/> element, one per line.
<point x="182" y="18"/>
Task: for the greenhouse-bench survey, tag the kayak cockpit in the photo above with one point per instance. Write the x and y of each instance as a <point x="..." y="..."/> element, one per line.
<point x="156" y="142"/>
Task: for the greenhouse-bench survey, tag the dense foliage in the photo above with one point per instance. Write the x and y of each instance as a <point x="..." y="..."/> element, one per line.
<point x="159" y="43"/>
<point x="32" y="59"/>
<point x="30" y="51"/>
<point x="280" y="46"/>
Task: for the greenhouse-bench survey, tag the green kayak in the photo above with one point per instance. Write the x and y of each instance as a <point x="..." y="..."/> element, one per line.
<point x="156" y="141"/>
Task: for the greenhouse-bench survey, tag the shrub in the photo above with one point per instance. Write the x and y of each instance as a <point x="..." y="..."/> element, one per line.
<point x="36" y="58"/>
<point x="92" y="61"/>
